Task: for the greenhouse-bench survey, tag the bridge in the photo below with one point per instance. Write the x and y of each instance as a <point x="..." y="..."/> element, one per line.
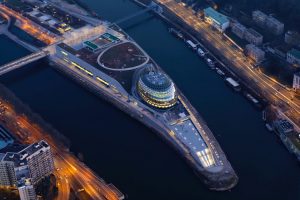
<point x="152" y="6"/>
<point x="22" y="61"/>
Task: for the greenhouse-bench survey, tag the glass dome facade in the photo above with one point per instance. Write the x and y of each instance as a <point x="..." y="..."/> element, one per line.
<point x="157" y="89"/>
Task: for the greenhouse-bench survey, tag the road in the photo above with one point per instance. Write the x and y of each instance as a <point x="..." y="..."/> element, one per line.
<point x="270" y="88"/>
<point x="71" y="173"/>
<point x="30" y="27"/>
<point x="63" y="186"/>
<point x="21" y="62"/>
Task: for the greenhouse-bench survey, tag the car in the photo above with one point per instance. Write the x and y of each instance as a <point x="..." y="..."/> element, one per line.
<point x="81" y="190"/>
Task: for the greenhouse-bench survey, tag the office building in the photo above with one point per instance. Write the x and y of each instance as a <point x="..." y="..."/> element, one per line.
<point x="26" y="167"/>
<point x="27" y="191"/>
<point x="253" y="37"/>
<point x="296" y="81"/>
<point x="259" y="17"/>
<point x="292" y="38"/>
<point x="239" y="30"/>
<point x="255" y="53"/>
<point x="273" y="25"/>
<point x="7" y="173"/>
<point x="293" y="57"/>
<point x="39" y="159"/>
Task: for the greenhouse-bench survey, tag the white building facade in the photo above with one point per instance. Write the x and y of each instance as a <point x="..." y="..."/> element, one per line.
<point x="255" y="53"/>
<point x="239" y="30"/>
<point x="27" y="192"/>
<point x="7" y="174"/>
<point x="272" y="24"/>
<point x="26" y="168"/>
<point x="253" y="37"/>
<point x="296" y="81"/>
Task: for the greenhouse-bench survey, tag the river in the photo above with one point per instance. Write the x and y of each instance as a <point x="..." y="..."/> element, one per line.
<point x="126" y="153"/>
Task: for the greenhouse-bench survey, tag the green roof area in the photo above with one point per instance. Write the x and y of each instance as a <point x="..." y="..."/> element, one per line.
<point x="216" y="16"/>
<point x="91" y="45"/>
<point x="110" y="37"/>
<point x="295" y="53"/>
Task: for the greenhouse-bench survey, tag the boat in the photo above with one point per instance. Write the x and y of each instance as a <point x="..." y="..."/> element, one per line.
<point x="176" y="33"/>
<point x="253" y="100"/>
<point x="210" y="63"/>
<point x="269" y="127"/>
<point x="220" y="72"/>
<point x="200" y="52"/>
<point x="191" y="44"/>
<point x="233" y="84"/>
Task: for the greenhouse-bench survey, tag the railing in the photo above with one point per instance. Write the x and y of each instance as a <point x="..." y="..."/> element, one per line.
<point x="22" y="61"/>
<point x="150" y="7"/>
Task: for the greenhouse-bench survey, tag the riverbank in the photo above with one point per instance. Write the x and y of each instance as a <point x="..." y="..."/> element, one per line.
<point x="220" y="176"/>
<point x="247" y="85"/>
<point x="27" y="127"/>
<point x="168" y="17"/>
<point x="9" y="100"/>
<point x="123" y="151"/>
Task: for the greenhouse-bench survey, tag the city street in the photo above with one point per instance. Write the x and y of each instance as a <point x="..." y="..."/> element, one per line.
<point x="272" y="90"/>
<point x="70" y="172"/>
<point x="30" y="27"/>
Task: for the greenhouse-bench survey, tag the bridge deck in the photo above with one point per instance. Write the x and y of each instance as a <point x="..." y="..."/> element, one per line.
<point x="150" y="7"/>
<point x="22" y="61"/>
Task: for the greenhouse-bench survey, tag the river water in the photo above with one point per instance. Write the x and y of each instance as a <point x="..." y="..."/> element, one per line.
<point x="126" y="153"/>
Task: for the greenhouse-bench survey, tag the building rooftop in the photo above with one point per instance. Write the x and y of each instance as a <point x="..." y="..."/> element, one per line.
<point x="240" y="26"/>
<point x="283" y="126"/>
<point x="295" y="53"/>
<point x="274" y="20"/>
<point x="218" y="17"/>
<point x="2" y="155"/>
<point x="67" y="48"/>
<point x="19" y="158"/>
<point x="254" y="48"/>
<point x="15" y="147"/>
<point x="156" y="81"/>
<point x="91" y="45"/>
<point x="254" y="32"/>
<point x="293" y="34"/>
<point x="189" y="135"/>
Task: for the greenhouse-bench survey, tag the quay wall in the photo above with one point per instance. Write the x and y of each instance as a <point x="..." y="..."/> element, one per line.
<point x="212" y="180"/>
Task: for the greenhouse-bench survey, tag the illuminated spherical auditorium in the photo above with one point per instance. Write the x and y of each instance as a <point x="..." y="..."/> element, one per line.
<point x="157" y="89"/>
